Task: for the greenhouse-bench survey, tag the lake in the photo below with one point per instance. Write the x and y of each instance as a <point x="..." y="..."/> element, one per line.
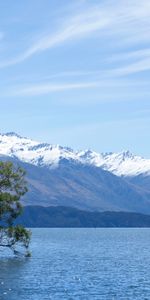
<point x="80" y="264"/>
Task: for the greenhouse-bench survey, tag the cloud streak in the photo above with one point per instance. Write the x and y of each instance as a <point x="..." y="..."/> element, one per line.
<point x="103" y="86"/>
<point x="77" y="27"/>
<point x="130" y="22"/>
<point x="43" y="89"/>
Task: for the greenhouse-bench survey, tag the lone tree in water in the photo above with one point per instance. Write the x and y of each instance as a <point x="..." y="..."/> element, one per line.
<point x="12" y="187"/>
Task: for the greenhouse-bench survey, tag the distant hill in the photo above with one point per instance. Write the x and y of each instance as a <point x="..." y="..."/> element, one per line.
<point x="36" y="216"/>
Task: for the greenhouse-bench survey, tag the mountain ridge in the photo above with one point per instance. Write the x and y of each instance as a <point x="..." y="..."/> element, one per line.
<point x="85" y="187"/>
<point x="44" y="154"/>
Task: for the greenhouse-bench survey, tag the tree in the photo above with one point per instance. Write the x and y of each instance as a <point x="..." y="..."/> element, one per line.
<point x="12" y="188"/>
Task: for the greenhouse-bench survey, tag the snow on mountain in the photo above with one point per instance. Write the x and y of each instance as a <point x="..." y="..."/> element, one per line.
<point x="121" y="164"/>
<point x="43" y="154"/>
<point x="33" y="152"/>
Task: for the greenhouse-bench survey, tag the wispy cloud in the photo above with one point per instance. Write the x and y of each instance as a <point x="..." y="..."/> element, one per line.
<point x="76" y="27"/>
<point x="130" y="55"/>
<point x="41" y="89"/>
<point x="103" y="86"/>
<point x="129" y="21"/>
<point x="139" y="66"/>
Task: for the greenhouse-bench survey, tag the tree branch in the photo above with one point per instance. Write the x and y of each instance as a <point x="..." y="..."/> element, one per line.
<point x="2" y="245"/>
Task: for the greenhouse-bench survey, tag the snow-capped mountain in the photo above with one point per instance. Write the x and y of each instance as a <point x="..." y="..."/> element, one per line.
<point x="44" y="154"/>
<point x="121" y="164"/>
<point x="59" y="176"/>
<point x="27" y="150"/>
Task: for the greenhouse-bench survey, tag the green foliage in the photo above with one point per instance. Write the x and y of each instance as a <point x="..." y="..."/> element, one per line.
<point x="12" y="187"/>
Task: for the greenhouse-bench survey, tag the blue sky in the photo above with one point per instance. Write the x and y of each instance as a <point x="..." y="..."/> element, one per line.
<point x="77" y="72"/>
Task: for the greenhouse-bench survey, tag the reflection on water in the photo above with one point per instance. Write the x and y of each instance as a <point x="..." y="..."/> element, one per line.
<point x="10" y="269"/>
<point x="80" y="264"/>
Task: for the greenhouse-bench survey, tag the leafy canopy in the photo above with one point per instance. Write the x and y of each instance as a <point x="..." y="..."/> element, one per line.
<point x="12" y="188"/>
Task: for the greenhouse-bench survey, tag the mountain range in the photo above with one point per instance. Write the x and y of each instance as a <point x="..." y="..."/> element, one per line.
<point x="85" y="180"/>
<point x="44" y="154"/>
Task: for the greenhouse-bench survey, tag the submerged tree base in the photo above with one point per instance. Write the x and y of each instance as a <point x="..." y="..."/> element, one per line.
<point x="14" y="238"/>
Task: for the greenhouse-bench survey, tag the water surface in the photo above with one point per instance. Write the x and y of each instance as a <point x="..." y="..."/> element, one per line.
<point x="80" y="264"/>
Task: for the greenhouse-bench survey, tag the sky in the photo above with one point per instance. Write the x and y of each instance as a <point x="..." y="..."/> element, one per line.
<point x="77" y="73"/>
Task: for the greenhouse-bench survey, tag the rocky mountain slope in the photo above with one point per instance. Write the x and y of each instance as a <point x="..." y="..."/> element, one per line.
<point x="59" y="176"/>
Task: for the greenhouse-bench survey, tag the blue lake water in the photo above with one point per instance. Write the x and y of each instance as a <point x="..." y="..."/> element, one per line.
<point x="80" y="264"/>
